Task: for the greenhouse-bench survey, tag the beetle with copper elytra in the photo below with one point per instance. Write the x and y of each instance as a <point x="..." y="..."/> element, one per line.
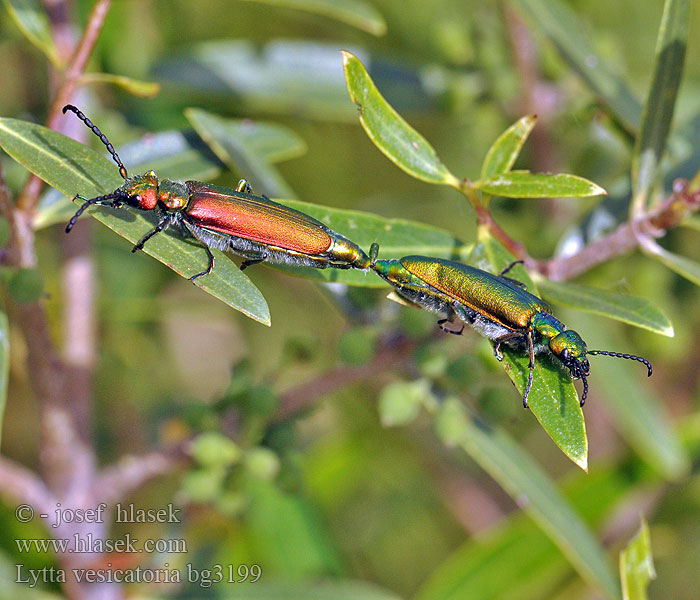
<point x="252" y="226"/>
<point x="497" y="306"/>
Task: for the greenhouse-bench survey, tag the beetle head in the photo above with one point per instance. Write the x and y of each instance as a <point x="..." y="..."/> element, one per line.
<point x="141" y="191"/>
<point x="571" y="350"/>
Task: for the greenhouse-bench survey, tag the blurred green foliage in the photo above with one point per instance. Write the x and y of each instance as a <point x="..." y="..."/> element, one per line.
<point x="330" y="492"/>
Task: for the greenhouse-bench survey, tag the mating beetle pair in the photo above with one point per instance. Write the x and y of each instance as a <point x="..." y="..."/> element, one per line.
<point x="260" y="230"/>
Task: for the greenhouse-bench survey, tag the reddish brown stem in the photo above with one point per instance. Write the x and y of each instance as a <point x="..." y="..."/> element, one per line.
<point x="76" y="66"/>
<point x="484" y="219"/>
<point x="389" y="353"/>
<point x="654" y="224"/>
<point x="118" y="481"/>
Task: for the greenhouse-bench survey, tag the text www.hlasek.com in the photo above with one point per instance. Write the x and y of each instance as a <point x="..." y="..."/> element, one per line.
<point x="88" y="544"/>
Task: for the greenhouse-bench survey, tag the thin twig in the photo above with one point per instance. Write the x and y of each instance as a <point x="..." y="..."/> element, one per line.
<point x="30" y="192"/>
<point x="118" y="481"/>
<point x="684" y="201"/>
<point x="484" y="219"/>
<point x="389" y="354"/>
<point x="537" y="96"/>
<point x="22" y="486"/>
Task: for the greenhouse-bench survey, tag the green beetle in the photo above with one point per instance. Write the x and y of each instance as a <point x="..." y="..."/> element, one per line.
<point x="497" y="306"/>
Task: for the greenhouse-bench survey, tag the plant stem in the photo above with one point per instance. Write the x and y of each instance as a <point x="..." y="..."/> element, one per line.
<point x="76" y="66"/>
<point x="684" y="201"/>
<point x="390" y="352"/>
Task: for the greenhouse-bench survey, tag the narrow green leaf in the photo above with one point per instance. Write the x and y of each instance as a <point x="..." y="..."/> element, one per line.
<point x="396" y="237"/>
<point x="515" y="559"/>
<point x="692" y="222"/>
<point x="342" y="589"/>
<point x="552" y="398"/>
<point x="4" y="362"/>
<point x="402" y="144"/>
<point x="270" y="142"/>
<point x="637" y="565"/>
<point x="73" y="168"/>
<point x="297" y="78"/>
<point x="504" y="460"/>
<point x="504" y="151"/>
<point x="172" y="154"/>
<point x="623" y="387"/>
<point x="236" y="143"/>
<point x="353" y="12"/>
<point x="562" y="27"/>
<point x="661" y="100"/>
<point x="141" y="89"/>
<point x="58" y="159"/>
<point x="517" y="562"/>
<point x="523" y="184"/>
<point x="685" y="267"/>
<point x="176" y="155"/>
<point x="288" y="534"/>
<point x="186" y="257"/>
<point x="29" y="17"/>
<point x="628" y="309"/>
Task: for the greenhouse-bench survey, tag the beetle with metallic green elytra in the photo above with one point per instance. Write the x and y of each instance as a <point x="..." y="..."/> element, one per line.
<point x="497" y="306"/>
<point x="252" y="226"/>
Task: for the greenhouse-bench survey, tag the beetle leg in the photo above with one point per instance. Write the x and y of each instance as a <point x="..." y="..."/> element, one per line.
<point x="209" y="268"/>
<point x="250" y="262"/>
<point x="450" y="325"/>
<point x="459" y="312"/>
<point x="502" y="274"/>
<point x="162" y="225"/>
<point x="530" y="366"/>
<point x="244" y="187"/>
<point x="497" y="351"/>
<point x="520" y="284"/>
<point x="196" y="235"/>
<point x="444" y="324"/>
<point x="509" y="267"/>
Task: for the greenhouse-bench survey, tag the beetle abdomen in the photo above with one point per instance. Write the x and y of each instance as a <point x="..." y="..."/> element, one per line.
<point x="255" y="219"/>
<point x="489" y="295"/>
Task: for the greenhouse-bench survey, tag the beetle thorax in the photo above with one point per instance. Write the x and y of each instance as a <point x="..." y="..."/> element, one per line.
<point x="173" y="195"/>
<point x="546" y="326"/>
<point x="146" y="192"/>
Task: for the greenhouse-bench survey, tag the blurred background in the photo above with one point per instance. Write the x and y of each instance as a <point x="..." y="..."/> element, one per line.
<point x="300" y="472"/>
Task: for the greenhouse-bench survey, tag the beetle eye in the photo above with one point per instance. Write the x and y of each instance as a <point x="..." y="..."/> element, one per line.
<point x="565" y="354"/>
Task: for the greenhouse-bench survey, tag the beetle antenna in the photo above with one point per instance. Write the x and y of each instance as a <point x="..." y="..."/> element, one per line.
<point x="627" y="356"/>
<point x="99" y="134"/>
<point x="99" y="200"/>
